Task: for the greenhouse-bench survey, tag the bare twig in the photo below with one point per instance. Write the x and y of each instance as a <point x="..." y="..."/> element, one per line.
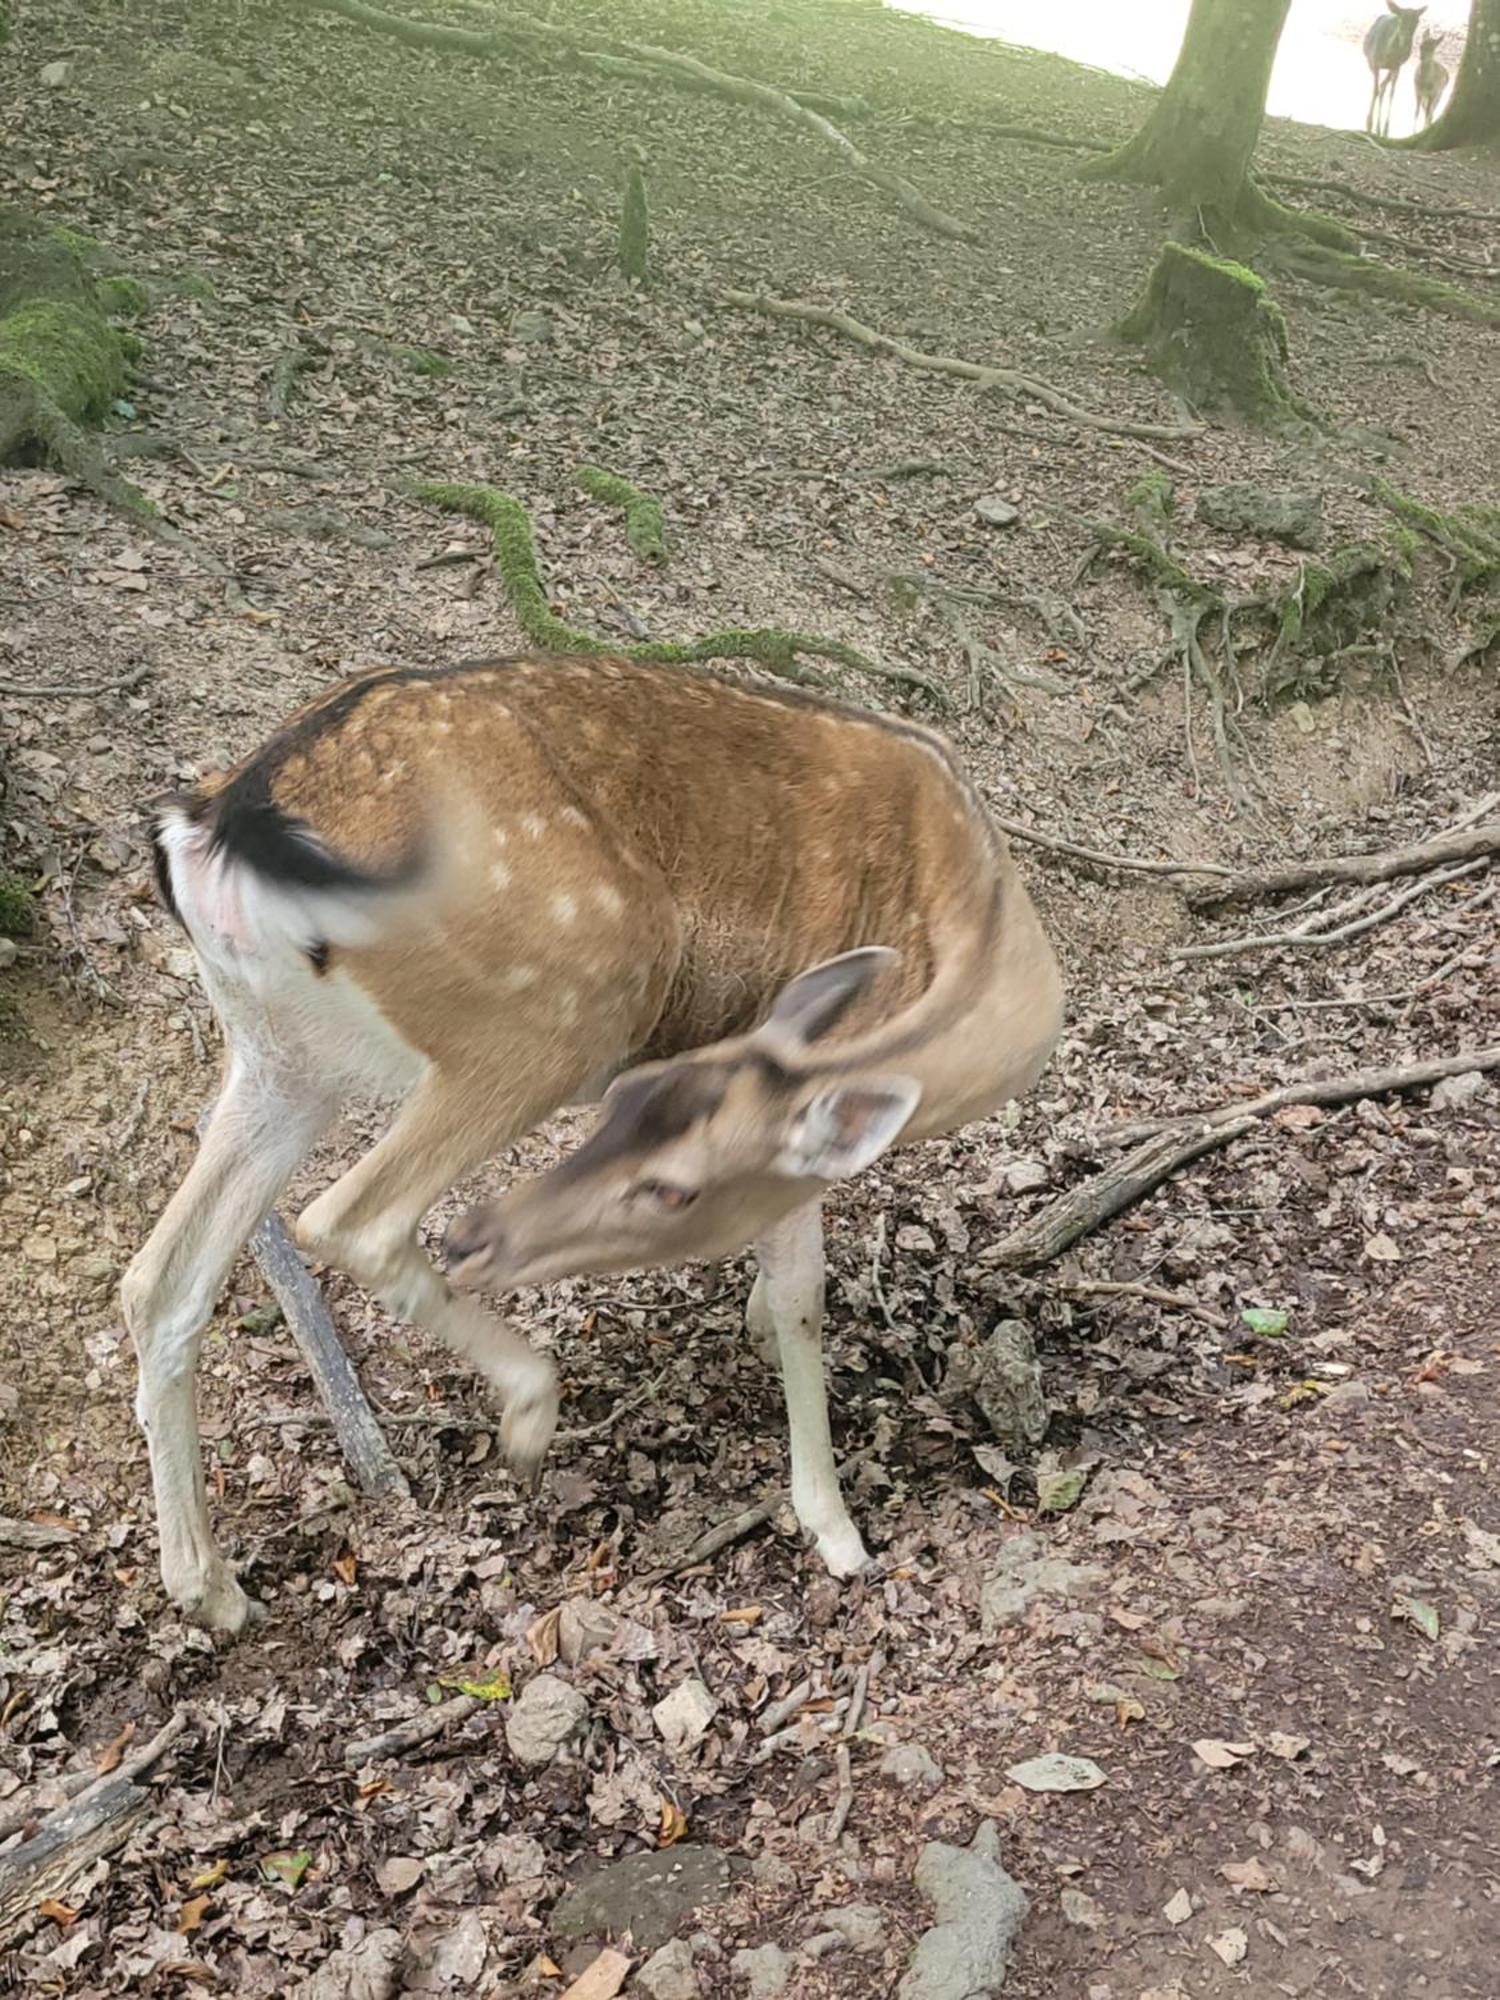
<point x="76" y="688"/>
<point x="1008" y="379"/>
<point x="413" y="1734"/>
<point x="724" y="1536"/>
<point x="1302" y="938"/>
<point x="1319" y="1090"/>
<point x="1256" y="884"/>
<point x="843" y="1803"/>
<point x="780" y="1713"/>
<point x="856" y="1711"/>
<point x="1157" y="1295"/>
<point x="1130" y="864"/>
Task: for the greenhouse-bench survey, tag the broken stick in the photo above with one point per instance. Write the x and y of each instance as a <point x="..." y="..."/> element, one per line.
<point x="78" y="1787"/>
<point x="1318" y="1090"/>
<point x="1258" y="883"/>
<point x="411" y="1735"/>
<point x="1059" y="1225"/>
<point x="67" y="1842"/>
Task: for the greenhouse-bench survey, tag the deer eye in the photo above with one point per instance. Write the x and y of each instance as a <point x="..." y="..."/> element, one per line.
<point x="666" y="1195"/>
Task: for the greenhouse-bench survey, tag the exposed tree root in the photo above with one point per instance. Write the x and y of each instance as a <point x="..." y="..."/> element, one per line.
<point x="778" y="652"/>
<point x="667" y="65"/>
<point x="645" y="529"/>
<point x="1322" y="932"/>
<point x="1257" y="885"/>
<point x="1344" y="271"/>
<point x="1399" y="203"/>
<point x="1008" y="379"/>
<point x="1096" y="857"/>
<point x="985" y="665"/>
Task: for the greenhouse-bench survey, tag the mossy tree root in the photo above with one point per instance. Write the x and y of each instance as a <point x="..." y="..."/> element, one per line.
<point x="1470" y="538"/>
<point x="1211" y="332"/>
<point x="779" y="652"/>
<point x="645" y="530"/>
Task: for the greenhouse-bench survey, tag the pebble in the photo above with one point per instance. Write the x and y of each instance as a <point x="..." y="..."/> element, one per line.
<point x="996" y="511"/>
<point x="1451" y="1093"/>
<point x="668" y="1974"/>
<point x="1081" y="1910"/>
<point x="546" y="1720"/>
<point x="861" y="1925"/>
<point x="682" y="1717"/>
<point x="910" y="1764"/>
<point x="10" y="951"/>
<point x="766" y="1967"/>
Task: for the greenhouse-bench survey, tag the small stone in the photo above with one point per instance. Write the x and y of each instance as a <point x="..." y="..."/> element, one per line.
<point x="1005" y="1379"/>
<point x="1025" y="1176"/>
<point x="861" y="1925"/>
<point x="766" y="1967"/>
<point x="1082" y="1910"/>
<point x="1290" y="514"/>
<point x="912" y="1765"/>
<point x="995" y="511"/>
<point x="979" y="1911"/>
<point x="546" y="1720"/>
<point x="650" y="1895"/>
<point x="1179" y="1909"/>
<point x="668" y="1974"/>
<point x="682" y="1717"/>
<point x="531" y="328"/>
<point x="821" y="1944"/>
<point x="1230" y="1946"/>
<point x="518" y="1857"/>
<point x="1451" y="1093"/>
<point x="1025" y="1574"/>
<point x="10" y="951"/>
<point x="53" y="75"/>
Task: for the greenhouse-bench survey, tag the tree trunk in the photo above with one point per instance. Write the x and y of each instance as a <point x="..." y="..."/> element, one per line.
<point x="1473" y="114"/>
<point x="1196" y="144"/>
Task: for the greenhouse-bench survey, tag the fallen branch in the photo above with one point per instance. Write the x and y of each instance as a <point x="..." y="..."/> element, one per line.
<point x="668" y="64"/>
<point x="81" y="1786"/>
<point x="291" y="363"/>
<point x="1132" y="864"/>
<point x="1257" y="884"/>
<point x="413" y="1734"/>
<point x="75" y="688"/>
<point x="1321" y="1090"/>
<point x="1156" y="1295"/>
<point x="1303" y="938"/>
<point x="1008" y="379"/>
<point x="1061" y="1223"/>
<point x="843" y="1803"/>
<point x="724" y="1536"/>
<point x="32" y="1536"/>
<point x="360" y="1437"/>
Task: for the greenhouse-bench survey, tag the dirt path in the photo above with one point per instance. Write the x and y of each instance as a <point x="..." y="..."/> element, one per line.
<point x="1286" y="1540"/>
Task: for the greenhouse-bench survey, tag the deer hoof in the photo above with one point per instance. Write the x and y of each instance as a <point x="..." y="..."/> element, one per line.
<point x="526" y="1432"/>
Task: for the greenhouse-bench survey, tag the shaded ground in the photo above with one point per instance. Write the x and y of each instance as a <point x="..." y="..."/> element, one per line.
<point x="1268" y="1510"/>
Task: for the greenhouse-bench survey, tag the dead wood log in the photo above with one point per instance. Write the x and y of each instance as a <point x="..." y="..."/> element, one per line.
<point x="1009" y="379"/>
<point x="79" y="1786"/>
<point x="1321" y="1090"/>
<point x="668" y="64"/>
<point x="66" y="1843"/>
<point x="1061" y="1223"/>
<point x="413" y="1734"/>
<point x="360" y="1436"/>
<point x="1256" y="884"/>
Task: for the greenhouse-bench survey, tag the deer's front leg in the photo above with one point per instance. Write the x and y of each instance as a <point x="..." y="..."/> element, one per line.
<point x="791" y="1292"/>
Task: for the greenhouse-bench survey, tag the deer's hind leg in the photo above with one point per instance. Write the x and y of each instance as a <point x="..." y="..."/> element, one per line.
<point x="267" y="1119"/>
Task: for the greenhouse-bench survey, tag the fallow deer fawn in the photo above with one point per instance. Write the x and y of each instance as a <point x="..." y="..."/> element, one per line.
<point x="1431" y="77"/>
<point x="489" y="889"/>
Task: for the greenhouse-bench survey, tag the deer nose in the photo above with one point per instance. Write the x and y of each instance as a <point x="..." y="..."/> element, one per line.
<point x="474" y="1232"/>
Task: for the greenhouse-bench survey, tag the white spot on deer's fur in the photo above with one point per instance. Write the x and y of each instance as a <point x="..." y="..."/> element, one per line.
<point x="565" y="909"/>
<point x="533" y="825"/>
<point x="519" y="978"/>
<point x="443" y="728"/>
<point x="499" y="875"/>
<point x="501" y="836"/>
<point x="573" y="816"/>
<point x="609" y="900"/>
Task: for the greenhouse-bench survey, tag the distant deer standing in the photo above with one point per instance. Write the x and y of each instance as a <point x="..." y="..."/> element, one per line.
<point x="1431" y="78"/>
<point x="491" y="889"/>
<point x="1387" y="46"/>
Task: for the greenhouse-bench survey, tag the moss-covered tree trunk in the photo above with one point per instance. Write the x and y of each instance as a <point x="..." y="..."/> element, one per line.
<point x="1198" y="141"/>
<point x="1473" y="114"/>
<point x="62" y="361"/>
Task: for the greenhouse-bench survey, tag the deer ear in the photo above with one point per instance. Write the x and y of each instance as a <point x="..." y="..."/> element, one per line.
<point x="846" y="1126"/>
<point x="816" y="1000"/>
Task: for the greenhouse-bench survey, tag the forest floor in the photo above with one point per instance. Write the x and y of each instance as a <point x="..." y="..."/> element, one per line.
<point x="1286" y="1541"/>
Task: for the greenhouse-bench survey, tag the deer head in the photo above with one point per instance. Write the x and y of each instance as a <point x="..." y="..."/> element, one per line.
<point x="696" y="1157"/>
<point x="1407" y="16"/>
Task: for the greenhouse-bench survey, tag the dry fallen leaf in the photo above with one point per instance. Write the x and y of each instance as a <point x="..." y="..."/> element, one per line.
<point x="1221" y="1756"/>
<point x="345" y="1568"/>
<point x="398" y="1873"/>
<point x="192" y="1915"/>
<point x="59" y="1913"/>
<point x="673" y="1824"/>
<point x="1179" y="1909"/>
<point x="602" y="1980"/>
<point x="111" y="1754"/>
<point x="541" y="1636"/>
<point x="1252" y="1875"/>
<point x="210" y="1878"/>
<point x="1281" y="1745"/>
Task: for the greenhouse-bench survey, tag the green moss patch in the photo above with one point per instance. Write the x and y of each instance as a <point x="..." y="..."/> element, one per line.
<point x="645" y="529"/>
<point x="1211" y="332"/>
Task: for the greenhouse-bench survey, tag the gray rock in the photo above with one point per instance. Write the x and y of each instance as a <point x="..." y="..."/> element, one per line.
<point x="1005" y="1379"/>
<point x="995" y="511"/>
<point x="10" y="951"/>
<point x="1081" y="1910"/>
<point x="531" y="328"/>
<point x="547" y="1720"/>
<point x="979" y="1910"/>
<point x="910" y="1764"/>
<point x="366" y="1970"/>
<point x="649" y="1895"/>
<point x="766" y="1967"/>
<point x="668" y="1974"/>
<point x="682" y="1717"/>
<point x="861" y="1925"/>
<point x="1025" y="1574"/>
<point x="1450" y="1093"/>
<point x="1290" y="514"/>
<point x="53" y="75"/>
<point x="518" y="1857"/>
<point x="1025" y="1176"/>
